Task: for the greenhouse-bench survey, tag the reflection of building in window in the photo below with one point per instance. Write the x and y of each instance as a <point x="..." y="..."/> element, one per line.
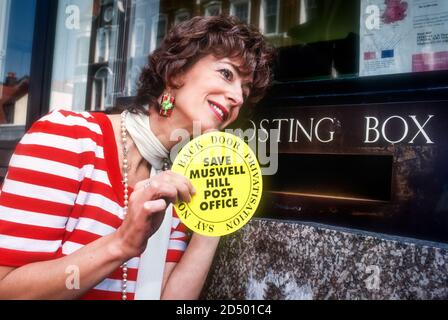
<point x="138" y="38"/>
<point x="5" y="6"/>
<point x="139" y="42"/>
<point x="102" y="44"/>
<point x="269" y="16"/>
<point x="107" y="64"/>
<point x="71" y="58"/>
<point x="100" y="88"/>
<point x="213" y="8"/>
<point x="14" y="101"/>
<point x="82" y="49"/>
<point x="158" y="30"/>
<point x="241" y="9"/>
<point x="181" y="15"/>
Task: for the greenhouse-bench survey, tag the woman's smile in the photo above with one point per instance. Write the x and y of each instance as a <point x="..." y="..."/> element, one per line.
<point x="220" y="112"/>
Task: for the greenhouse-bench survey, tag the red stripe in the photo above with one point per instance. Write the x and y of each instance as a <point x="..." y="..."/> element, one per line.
<point x="15" y="258"/>
<point x="174" y="255"/>
<point x="76" y="114"/>
<point x="81" y="237"/>
<point x="181" y="228"/>
<point x="118" y="274"/>
<point x="97" y="214"/>
<point x="43" y="179"/>
<point x="183" y="239"/>
<point x="58" y="155"/>
<point x="105" y="190"/>
<point x="29" y="231"/>
<point x="111" y="153"/>
<point x="74" y="131"/>
<point x="34" y="205"/>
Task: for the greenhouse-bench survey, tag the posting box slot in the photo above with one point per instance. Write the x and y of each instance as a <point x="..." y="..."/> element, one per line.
<point x="342" y="176"/>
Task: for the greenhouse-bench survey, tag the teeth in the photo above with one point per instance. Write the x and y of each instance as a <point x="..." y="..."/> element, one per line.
<point x="220" y="112"/>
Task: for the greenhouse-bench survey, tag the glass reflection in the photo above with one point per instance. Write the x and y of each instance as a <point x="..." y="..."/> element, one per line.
<point x="16" y="42"/>
<point x="317" y="39"/>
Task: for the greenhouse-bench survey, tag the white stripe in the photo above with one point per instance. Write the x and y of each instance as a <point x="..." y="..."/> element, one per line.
<point x="38" y="192"/>
<point x="86" y="114"/>
<point x="115" y="285"/>
<point x="178" y="234"/>
<point x="32" y="218"/>
<point x="48" y="166"/>
<point x="69" y="247"/>
<point x="99" y="176"/>
<point x="60" y="169"/>
<point x="100" y="201"/>
<point x="70" y="120"/>
<point x="29" y="245"/>
<point x="71" y="224"/>
<point x="175" y="222"/>
<point x="65" y="143"/>
<point x="177" y="245"/>
<point x="94" y="227"/>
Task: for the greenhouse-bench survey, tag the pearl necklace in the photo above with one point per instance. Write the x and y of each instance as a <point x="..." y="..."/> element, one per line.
<point x="124" y="140"/>
<point x="165" y="166"/>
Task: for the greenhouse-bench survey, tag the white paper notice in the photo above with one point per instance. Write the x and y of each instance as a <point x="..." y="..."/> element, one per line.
<point x="403" y="36"/>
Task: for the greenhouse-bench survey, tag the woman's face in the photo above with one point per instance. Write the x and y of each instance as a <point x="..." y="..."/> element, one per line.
<point x="212" y="92"/>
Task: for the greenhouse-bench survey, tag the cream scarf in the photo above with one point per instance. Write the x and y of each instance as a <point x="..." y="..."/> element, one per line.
<point x="152" y="261"/>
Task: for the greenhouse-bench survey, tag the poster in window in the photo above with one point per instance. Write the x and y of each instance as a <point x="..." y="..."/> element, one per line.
<point x="398" y="36"/>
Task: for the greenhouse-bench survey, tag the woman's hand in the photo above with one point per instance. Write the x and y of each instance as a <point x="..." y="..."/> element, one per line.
<point x="146" y="209"/>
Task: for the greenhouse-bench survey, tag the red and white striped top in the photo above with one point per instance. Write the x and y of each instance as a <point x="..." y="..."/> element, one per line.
<point x="60" y="194"/>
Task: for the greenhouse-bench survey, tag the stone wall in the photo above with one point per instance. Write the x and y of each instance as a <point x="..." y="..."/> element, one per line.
<point x="270" y="259"/>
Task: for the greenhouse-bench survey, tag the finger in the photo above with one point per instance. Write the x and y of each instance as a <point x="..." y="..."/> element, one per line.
<point x="161" y="190"/>
<point x="155" y="205"/>
<point x="183" y="180"/>
<point x="183" y="192"/>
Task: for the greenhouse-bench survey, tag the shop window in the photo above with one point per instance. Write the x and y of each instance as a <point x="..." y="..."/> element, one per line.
<point x="16" y="42"/>
<point x="85" y="49"/>
<point x="241" y="9"/>
<point x="318" y="40"/>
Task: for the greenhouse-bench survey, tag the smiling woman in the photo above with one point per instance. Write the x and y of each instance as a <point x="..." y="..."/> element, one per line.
<point x="87" y="191"/>
<point x="223" y="56"/>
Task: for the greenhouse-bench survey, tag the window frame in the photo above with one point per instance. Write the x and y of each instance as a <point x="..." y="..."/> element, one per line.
<point x="40" y="73"/>
<point x="183" y="12"/>
<point x="210" y="4"/>
<point x="236" y="2"/>
<point x="262" y="23"/>
<point x="155" y="29"/>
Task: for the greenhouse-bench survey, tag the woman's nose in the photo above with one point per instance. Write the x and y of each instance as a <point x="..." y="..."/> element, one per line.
<point x="235" y="95"/>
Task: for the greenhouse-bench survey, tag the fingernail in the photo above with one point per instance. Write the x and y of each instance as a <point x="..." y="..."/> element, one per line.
<point x="194" y="190"/>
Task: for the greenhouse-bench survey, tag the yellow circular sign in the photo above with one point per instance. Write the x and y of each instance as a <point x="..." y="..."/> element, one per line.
<point x="228" y="182"/>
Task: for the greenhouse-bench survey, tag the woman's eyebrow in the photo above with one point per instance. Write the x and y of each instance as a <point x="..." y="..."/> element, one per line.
<point x="240" y="73"/>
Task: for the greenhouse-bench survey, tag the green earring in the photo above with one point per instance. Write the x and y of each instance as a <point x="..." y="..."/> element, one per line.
<point x="167" y="105"/>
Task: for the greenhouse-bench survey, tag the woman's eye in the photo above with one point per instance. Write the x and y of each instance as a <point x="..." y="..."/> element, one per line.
<point x="227" y="74"/>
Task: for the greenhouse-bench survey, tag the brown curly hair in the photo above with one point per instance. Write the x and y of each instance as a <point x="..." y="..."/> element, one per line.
<point x="189" y="41"/>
